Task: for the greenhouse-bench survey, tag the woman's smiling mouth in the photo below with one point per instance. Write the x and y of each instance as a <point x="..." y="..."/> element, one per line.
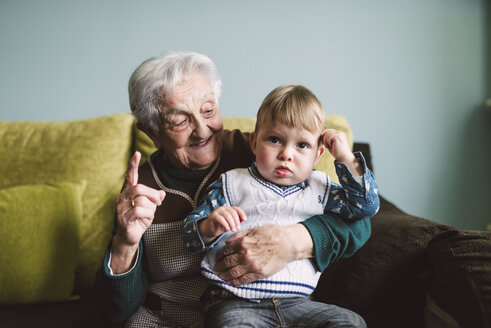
<point x="201" y="143"/>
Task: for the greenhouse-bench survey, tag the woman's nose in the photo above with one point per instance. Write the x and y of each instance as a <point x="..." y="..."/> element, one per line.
<point x="200" y="128"/>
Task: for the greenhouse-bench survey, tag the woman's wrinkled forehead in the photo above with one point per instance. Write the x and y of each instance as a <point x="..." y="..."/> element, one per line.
<point x="192" y="89"/>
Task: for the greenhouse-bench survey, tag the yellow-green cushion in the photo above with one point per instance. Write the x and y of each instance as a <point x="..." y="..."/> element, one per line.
<point x="247" y="124"/>
<point x="95" y="150"/>
<point x="39" y="238"/>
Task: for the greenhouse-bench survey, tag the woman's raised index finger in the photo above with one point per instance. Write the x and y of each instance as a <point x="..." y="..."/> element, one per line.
<point x="132" y="172"/>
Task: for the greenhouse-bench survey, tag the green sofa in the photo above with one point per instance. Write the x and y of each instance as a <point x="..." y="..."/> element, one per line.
<point x="58" y="183"/>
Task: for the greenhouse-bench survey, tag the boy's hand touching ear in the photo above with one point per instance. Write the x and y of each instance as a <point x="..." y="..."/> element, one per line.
<point x="223" y="219"/>
<point x="337" y="144"/>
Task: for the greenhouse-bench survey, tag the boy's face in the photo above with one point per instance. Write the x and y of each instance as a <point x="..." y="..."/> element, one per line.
<point x="285" y="155"/>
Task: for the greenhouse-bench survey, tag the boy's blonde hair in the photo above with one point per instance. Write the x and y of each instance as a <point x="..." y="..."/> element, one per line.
<point x="294" y="106"/>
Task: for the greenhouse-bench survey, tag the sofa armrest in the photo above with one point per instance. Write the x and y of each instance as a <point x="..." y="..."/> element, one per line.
<point x="387" y="279"/>
<point x="460" y="275"/>
<point x="365" y="149"/>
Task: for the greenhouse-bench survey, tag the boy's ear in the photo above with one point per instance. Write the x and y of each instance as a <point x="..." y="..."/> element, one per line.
<point x="252" y="142"/>
<point x="320" y="151"/>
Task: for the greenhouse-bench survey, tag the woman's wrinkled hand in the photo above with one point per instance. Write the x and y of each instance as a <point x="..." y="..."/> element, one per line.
<point x="261" y="252"/>
<point x="135" y="210"/>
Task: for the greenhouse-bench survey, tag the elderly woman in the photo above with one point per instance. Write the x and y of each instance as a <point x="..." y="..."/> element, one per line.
<point x="147" y="275"/>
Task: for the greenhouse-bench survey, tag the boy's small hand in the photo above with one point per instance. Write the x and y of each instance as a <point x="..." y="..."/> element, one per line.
<point x="337" y="144"/>
<point x="224" y="218"/>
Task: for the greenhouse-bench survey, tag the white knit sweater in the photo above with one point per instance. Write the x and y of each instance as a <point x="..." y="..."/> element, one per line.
<point x="265" y="203"/>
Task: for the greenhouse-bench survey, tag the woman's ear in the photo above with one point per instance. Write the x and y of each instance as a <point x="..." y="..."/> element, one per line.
<point x="149" y="134"/>
<point x="252" y="141"/>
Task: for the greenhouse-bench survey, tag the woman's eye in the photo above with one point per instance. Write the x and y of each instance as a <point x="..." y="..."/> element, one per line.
<point x="181" y="123"/>
<point x="177" y="122"/>
<point x="208" y="110"/>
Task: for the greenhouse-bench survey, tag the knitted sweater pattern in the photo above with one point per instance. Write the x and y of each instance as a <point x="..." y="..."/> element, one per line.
<point x="265" y="203"/>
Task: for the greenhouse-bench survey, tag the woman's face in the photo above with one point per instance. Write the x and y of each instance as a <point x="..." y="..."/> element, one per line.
<point x="191" y="136"/>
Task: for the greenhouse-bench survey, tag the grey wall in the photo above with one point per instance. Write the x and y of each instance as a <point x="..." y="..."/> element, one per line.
<point x="411" y="76"/>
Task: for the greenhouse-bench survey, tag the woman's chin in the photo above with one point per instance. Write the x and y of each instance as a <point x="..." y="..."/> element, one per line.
<point x="200" y="157"/>
<point x="196" y="166"/>
<point x="197" y="162"/>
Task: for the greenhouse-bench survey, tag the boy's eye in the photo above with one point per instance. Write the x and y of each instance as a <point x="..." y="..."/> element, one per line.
<point x="303" y="145"/>
<point x="274" y="140"/>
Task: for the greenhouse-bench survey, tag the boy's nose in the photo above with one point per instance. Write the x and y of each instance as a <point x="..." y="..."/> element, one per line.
<point x="285" y="154"/>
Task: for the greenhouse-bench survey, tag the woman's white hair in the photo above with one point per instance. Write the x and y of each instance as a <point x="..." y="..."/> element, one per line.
<point x="154" y="81"/>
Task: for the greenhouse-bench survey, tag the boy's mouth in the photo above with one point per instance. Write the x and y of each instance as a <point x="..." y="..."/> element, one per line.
<point x="283" y="171"/>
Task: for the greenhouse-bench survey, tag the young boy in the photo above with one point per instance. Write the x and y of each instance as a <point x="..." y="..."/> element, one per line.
<point x="280" y="187"/>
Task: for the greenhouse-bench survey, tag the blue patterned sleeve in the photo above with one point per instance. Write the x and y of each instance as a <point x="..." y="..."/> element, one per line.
<point x="190" y="233"/>
<point x="355" y="198"/>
